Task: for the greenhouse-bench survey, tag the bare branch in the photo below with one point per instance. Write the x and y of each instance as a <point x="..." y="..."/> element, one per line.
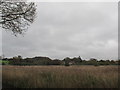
<point x="17" y="16"/>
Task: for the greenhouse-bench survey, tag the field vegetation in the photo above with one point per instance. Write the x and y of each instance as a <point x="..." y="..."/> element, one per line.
<point x="74" y="76"/>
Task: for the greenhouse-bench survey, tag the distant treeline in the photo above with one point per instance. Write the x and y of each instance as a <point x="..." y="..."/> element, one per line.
<point x="47" y="61"/>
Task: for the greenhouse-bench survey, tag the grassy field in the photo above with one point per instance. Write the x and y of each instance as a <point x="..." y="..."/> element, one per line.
<point x="60" y="76"/>
<point x="5" y="62"/>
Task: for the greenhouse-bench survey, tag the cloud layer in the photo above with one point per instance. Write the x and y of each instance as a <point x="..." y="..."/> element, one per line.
<point x="67" y="30"/>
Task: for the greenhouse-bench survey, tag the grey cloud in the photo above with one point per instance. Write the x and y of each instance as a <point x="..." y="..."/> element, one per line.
<point x="68" y="29"/>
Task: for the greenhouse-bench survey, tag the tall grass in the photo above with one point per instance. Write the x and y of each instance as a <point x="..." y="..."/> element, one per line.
<point x="60" y="77"/>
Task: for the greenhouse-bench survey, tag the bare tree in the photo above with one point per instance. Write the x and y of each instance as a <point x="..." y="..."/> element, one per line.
<point x="17" y="16"/>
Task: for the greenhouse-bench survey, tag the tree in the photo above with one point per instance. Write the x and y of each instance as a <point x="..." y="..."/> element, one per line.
<point x="67" y="60"/>
<point x="77" y="60"/>
<point x="80" y="59"/>
<point x="19" y="57"/>
<point x="17" y="16"/>
<point x="17" y="60"/>
<point x="93" y="61"/>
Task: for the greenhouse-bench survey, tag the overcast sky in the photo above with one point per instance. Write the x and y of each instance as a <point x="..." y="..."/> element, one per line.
<point x="71" y="29"/>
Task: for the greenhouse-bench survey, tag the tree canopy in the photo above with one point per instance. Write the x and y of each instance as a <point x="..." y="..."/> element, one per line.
<point x="17" y="16"/>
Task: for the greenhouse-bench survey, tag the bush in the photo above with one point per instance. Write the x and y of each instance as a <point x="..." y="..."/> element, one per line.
<point x="67" y="63"/>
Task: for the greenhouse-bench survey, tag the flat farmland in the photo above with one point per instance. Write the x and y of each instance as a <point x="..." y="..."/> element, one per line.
<point x="60" y="76"/>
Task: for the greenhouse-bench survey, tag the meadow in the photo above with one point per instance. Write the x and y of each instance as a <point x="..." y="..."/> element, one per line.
<point x="4" y="62"/>
<point x="81" y="76"/>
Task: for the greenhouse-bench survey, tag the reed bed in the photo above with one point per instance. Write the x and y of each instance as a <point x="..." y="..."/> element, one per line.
<point x="60" y="76"/>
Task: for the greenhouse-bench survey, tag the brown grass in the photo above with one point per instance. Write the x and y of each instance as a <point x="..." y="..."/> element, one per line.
<point x="60" y="76"/>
